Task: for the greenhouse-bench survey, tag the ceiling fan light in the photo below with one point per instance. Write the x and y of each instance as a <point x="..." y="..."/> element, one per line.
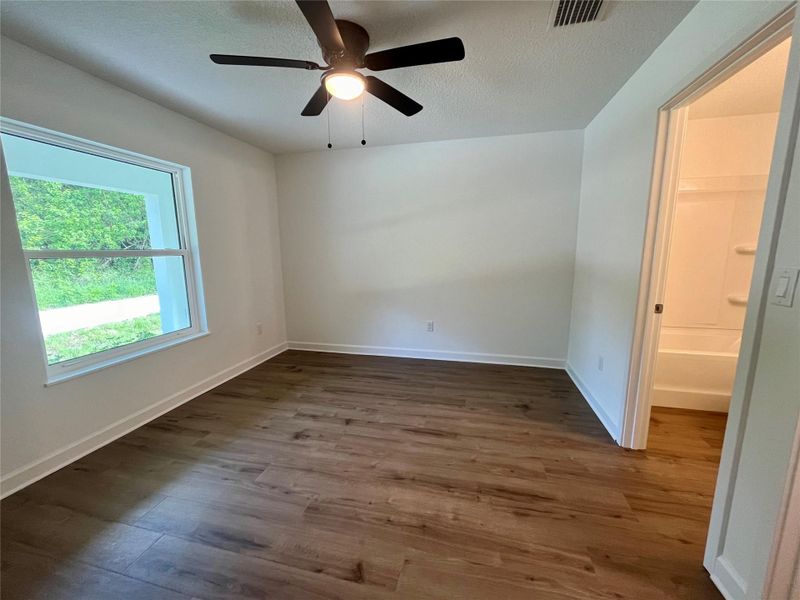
<point x="345" y="86"/>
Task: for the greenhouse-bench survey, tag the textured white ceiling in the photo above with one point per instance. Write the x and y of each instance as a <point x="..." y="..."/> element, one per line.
<point x="755" y="89"/>
<point x="520" y="75"/>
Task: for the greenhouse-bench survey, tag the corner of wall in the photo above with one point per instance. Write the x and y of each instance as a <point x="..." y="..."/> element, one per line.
<point x="594" y="404"/>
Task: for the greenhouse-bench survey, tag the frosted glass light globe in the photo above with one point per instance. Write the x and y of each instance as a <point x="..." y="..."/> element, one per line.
<point x="345" y="86"/>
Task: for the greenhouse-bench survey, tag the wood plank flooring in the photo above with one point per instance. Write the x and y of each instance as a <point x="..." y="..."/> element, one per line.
<point x="317" y="476"/>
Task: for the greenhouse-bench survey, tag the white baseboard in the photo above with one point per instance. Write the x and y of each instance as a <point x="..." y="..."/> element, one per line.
<point x="26" y="475"/>
<point x="593" y="403"/>
<point x="473" y="357"/>
<point x="728" y="581"/>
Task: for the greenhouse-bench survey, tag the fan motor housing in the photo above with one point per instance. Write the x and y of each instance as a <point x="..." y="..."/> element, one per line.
<point x="356" y="42"/>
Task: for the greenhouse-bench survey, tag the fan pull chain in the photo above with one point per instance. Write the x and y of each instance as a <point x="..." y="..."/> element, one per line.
<point x="363" y="139"/>
<point x="328" y="114"/>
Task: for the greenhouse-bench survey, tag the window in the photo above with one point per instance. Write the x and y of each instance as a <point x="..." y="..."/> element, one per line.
<point x="107" y="240"/>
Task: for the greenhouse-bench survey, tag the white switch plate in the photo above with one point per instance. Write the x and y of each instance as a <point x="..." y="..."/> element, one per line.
<point x="784" y="286"/>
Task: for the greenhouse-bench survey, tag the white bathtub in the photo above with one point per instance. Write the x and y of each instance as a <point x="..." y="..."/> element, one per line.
<point x="695" y="368"/>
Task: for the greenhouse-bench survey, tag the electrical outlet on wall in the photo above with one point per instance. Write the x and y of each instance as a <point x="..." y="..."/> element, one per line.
<point x="259" y="328"/>
<point x="429" y="326"/>
<point x="600" y="362"/>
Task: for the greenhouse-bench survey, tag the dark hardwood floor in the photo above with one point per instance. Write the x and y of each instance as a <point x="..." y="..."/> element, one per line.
<point x="330" y="476"/>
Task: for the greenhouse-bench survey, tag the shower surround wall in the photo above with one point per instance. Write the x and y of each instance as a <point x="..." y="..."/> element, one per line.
<point x="717" y="215"/>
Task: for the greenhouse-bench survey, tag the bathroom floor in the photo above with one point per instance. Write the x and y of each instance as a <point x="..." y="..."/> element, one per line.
<point x="699" y="433"/>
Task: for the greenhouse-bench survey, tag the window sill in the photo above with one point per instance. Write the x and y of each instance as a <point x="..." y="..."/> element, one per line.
<point x="55" y="379"/>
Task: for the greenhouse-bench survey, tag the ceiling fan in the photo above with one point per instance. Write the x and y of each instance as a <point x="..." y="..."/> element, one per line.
<point x="344" y="47"/>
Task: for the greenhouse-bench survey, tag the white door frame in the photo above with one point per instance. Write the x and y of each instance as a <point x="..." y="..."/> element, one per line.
<point x="671" y="126"/>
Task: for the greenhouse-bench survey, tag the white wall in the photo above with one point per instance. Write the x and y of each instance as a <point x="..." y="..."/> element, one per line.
<point x="237" y="222"/>
<point x="618" y="155"/>
<point x="477" y="235"/>
<point x="728" y="146"/>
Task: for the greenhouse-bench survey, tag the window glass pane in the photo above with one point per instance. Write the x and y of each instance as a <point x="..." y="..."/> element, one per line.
<point x="87" y="305"/>
<point x="70" y="200"/>
<point x="59" y="216"/>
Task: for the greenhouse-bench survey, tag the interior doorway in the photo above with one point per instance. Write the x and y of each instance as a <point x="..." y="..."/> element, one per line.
<point x="712" y="165"/>
<point x="722" y="165"/>
<point x="719" y="165"/>
<point x="715" y="212"/>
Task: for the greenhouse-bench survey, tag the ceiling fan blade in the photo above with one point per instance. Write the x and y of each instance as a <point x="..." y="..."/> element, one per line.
<point x="320" y="18"/>
<point x="394" y="98"/>
<point x="261" y="61"/>
<point x="317" y="103"/>
<point x="426" y="53"/>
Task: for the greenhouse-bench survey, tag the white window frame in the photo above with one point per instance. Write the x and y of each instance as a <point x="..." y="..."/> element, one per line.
<point x="188" y="250"/>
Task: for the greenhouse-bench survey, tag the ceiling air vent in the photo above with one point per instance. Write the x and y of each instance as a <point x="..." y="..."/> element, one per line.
<point x="570" y="12"/>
